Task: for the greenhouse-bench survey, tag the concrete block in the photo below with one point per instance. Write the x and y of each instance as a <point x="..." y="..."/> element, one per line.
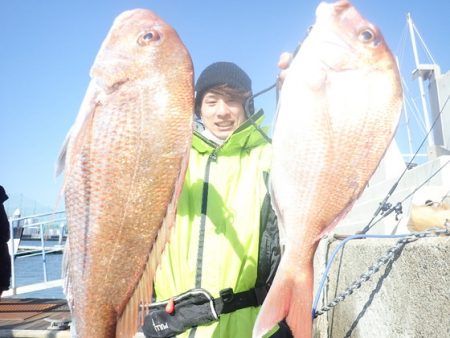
<point x="408" y="297"/>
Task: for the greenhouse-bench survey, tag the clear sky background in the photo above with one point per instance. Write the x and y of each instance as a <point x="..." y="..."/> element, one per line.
<point x="48" y="46"/>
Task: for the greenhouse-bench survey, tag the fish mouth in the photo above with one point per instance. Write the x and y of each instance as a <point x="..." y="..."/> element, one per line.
<point x="340" y="46"/>
<point x="335" y="43"/>
<point x="358" y="32"/>
<point x="341" y="5"/>
<point x="328" y="9"/>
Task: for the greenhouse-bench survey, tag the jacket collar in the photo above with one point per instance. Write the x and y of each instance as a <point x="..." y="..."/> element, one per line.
<point x="245" y="137"/>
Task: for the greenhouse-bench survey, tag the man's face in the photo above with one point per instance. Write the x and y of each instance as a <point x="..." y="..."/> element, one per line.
<point x="221" y="114"/>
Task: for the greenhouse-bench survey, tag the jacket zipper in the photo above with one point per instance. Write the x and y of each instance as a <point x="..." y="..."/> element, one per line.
<point x="201" y="237"/>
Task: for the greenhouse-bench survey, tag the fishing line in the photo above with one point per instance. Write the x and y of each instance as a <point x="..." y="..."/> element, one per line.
<point x="248" y="101"/>
<point x="426" y="181"/>
<point x="445" y="196"/>
<point x="384" y="206"/>
<point x="398" y="207"/>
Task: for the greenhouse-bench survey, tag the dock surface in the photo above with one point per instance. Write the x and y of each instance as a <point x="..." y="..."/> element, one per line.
<point x="34" y="317"/>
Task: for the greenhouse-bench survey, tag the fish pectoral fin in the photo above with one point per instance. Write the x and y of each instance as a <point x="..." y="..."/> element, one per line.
<point x="111" y="84"/>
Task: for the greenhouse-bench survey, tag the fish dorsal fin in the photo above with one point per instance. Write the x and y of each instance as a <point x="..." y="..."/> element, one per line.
<point x="84" y="117"/>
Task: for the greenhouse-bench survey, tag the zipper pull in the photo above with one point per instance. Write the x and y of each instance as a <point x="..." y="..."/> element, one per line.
<point x="213" y="155"/>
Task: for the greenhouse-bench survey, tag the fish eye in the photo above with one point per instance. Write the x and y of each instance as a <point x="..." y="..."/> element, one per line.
<point x="147" y="37"/>
<point x="366" y="35"/>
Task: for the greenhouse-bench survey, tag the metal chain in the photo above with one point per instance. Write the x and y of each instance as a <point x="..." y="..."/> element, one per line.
<point x="383" y="260"/>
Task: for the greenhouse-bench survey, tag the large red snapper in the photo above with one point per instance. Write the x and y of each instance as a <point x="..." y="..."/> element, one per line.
<point x="125" y="159"/>
<point x="338" y="111"/>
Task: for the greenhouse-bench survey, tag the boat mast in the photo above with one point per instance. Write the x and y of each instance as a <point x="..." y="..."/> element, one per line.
<point x="420" y="78"/>
<point x="405" y="113"/>
<point x="408" y="130"/>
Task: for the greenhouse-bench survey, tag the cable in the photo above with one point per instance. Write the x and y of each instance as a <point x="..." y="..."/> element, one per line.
<point x="333" y="255"/>
<point x="248" y="101"/>
<point x="404" y="238"/>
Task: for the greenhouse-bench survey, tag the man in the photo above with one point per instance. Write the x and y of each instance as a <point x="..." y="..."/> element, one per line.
<point x="225" y="242"/>
<point x="5" y="262"/>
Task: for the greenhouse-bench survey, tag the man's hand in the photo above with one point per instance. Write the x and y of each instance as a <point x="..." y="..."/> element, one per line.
<point x="283" y="63"/>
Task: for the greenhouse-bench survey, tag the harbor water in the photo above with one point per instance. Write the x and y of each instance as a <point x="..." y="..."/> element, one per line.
<point x="29" y="270"/>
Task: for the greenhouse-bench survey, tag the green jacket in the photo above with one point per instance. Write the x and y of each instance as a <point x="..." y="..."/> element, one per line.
<point x="226" y="234"/>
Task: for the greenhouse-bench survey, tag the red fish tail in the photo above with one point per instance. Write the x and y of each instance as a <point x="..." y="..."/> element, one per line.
<point x="290" y="298"/>
<point x="299" y="316"/>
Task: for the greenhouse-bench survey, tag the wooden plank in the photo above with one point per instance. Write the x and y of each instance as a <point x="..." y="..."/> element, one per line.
<point x="32" y="317"/>
<point x="13" y="311"/>
<point x="34" y="334"/>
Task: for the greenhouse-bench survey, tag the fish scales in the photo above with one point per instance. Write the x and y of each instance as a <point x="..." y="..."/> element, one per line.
<point x="338" y="111"/>
<point x="125" y="159"/>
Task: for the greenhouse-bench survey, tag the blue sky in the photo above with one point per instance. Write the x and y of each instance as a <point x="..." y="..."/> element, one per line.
<point x="48" y="46"/>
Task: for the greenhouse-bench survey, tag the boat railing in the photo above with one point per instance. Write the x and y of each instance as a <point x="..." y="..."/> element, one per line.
<point x="39" y="227"/>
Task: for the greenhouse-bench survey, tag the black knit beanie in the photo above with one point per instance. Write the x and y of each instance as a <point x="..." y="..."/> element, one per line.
<point x="220" y="73"/>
